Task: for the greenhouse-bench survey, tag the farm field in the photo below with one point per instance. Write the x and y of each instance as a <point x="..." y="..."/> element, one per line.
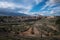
<point x="29" y="28"/>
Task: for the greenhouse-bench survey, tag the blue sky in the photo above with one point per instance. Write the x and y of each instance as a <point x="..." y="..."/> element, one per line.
<point x="32" y="7"/>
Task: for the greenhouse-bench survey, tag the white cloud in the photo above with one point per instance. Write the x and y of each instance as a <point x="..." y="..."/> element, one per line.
<point x="13" y="6"/>
<point x="25" y="10"/>
<point x="38" y="1"/>
<point x="24" y="7"/>
<point x="52" y="12"/>
<point x="7" y="5"/>
<point x="55" y="10"/>
<point x="10" y="5"/>
<point x="41" y="14"/>
<point x="55" y="1"/>
<point x="29" y="4"/>
<point x="35" y="13"/>
<point x="49" y="3"/>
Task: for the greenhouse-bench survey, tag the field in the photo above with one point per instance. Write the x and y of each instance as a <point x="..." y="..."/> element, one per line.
<point x="29" y="28"/>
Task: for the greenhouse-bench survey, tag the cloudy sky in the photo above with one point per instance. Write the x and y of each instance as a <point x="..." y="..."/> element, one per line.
<point x="32" y="7"/>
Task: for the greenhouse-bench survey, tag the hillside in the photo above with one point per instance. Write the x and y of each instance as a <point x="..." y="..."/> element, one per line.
<point x="30" y="26"/>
